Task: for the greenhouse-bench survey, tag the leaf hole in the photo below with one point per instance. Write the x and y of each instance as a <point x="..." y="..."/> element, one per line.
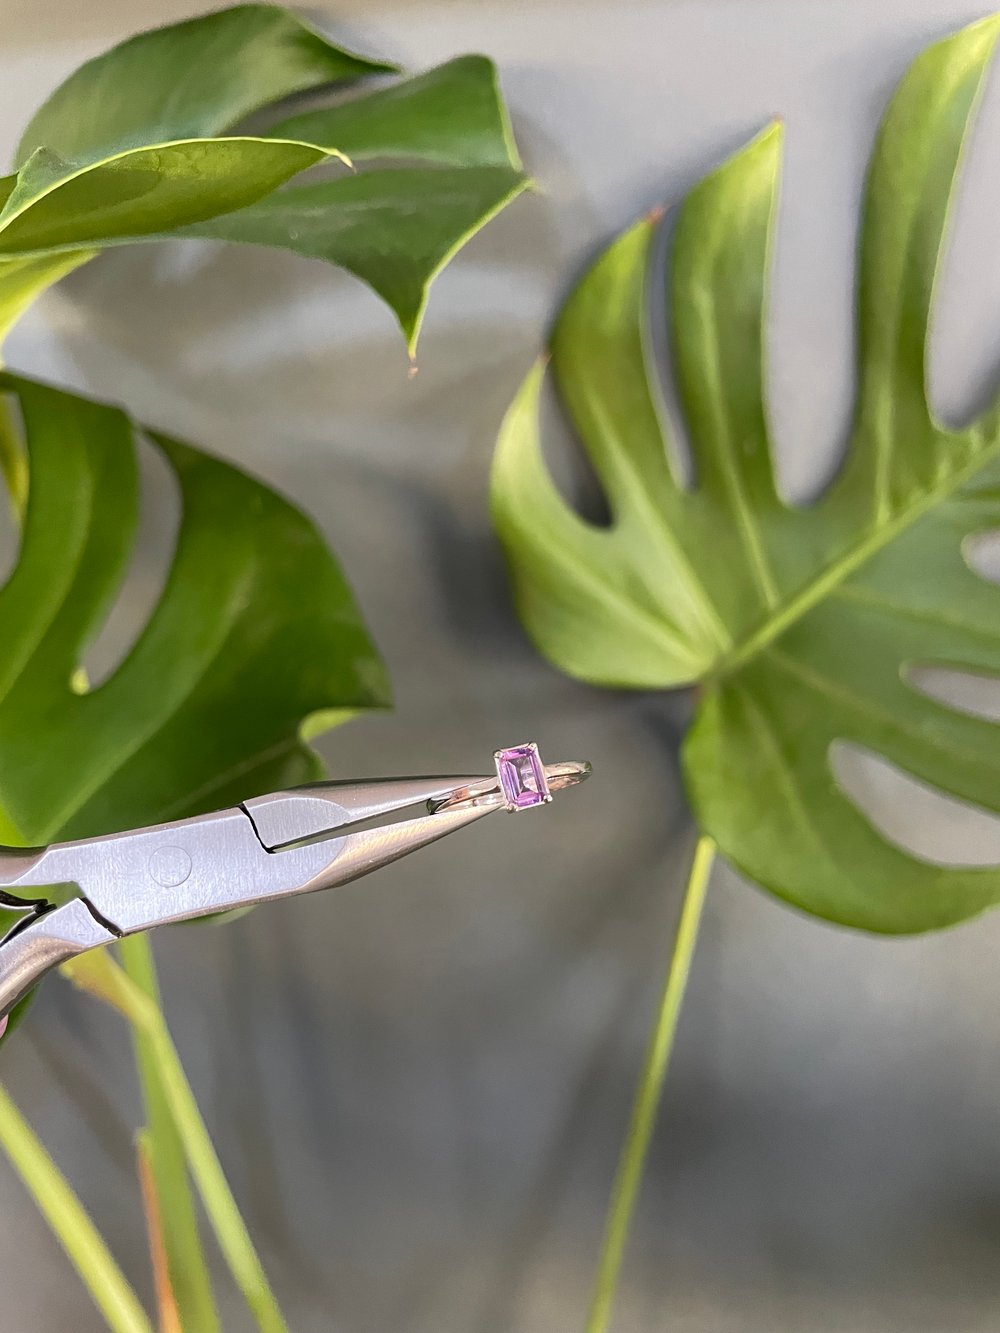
<point x="568" y="463"/>
<point x="810" y="310"/>
<point x="660" y="356"/>
<point x="981" y="552"/>
<point x="976" y="693"/>
<point x="914" y="816"/>
<point x="963" y="355"/>
<point x="141" y="588"/>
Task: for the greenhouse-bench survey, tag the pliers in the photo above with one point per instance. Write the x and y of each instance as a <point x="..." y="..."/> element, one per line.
<point x="269" y="847"/>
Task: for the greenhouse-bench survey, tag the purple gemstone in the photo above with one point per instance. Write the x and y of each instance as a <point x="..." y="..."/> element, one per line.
<point x="522" y="777"/>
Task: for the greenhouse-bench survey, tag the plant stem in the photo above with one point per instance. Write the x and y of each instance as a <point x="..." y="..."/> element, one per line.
<point x="223" y="1213"/>
<point x="186" y="1266"/>
<point x="643" y="1118"/>
<point x="68" y="1219"/>
<point x="166" y="1302"/>
<point x="98" y="973"/>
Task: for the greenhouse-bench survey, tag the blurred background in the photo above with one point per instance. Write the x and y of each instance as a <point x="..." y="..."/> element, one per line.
<point x="418" y="1085"/>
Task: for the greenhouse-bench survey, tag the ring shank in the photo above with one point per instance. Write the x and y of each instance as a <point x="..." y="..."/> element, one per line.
<point x="568" y="774"/>
<point x="487" y="792"/>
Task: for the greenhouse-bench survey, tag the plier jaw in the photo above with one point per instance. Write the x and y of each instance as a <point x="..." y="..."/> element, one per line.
<point x="269" y="847"/>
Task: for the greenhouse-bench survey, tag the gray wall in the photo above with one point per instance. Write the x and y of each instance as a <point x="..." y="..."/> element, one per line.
<point x="418" y="1085"/>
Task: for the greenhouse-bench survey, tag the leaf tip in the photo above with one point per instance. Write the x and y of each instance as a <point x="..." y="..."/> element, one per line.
<point x="764" y="150"/>
<point x="988" y="25"/>
<point x="974" y="42"/>
<point x="773" y="131"/>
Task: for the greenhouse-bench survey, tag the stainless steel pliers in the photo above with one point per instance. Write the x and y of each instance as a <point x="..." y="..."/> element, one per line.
<point x="268" y="847"/>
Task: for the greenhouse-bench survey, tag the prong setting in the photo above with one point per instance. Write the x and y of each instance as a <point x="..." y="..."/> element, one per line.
<point x="522" y="778"/>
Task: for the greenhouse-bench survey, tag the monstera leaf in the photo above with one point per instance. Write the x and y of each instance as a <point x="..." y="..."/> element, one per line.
<point x="137" y="145"/>
<point x="255" y="631"/>
<point x="254" y="644"/>
<point x="801" y="626"/>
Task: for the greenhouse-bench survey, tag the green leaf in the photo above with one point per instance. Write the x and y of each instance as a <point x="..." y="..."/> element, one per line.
<point x="22" y="280"/>
<point x="254" y="636"/>
<point x="128" y="149"/>
<point x="394" y="229"/>
<point x="453" y="115"/>
<point x="191" y="80"/>
<point x="255" y="630"/>
<point x="801" y="625"/>
<point x="57" y="206"/>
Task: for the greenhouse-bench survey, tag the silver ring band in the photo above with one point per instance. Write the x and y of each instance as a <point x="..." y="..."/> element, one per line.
<point x="488" y="791"/>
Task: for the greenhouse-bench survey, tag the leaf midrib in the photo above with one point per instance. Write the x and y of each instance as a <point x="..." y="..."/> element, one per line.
<point x="839" y="570"/>
<point x="732" y="479"/>
<point x="77" y="171"/>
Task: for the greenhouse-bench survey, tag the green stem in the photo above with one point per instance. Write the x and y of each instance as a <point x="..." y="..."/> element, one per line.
<point x="223" y="1213"/>
<point x="189" y="1276"/>
<point x="68" y="1219"/>
<point x="132" y="991"/>
<point x="643" y="1117"/>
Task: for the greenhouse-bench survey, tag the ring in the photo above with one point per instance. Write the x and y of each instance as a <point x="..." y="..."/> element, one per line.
<point x="522" y="781"/>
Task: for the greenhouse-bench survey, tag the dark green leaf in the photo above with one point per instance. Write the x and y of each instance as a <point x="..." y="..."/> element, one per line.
<point x="394" y="229"/>
<point x="255" y="631"/>
<point x="125" y="150"/>
<point x="191" y="80"/>
<point x="802" y="625"/>
<point x="453" y="115"/>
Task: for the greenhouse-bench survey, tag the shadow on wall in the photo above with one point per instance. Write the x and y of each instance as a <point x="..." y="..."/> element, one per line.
<point x="33" y="22"/>
<point x="29" y="22"/>
<point x="298" y="345"/>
